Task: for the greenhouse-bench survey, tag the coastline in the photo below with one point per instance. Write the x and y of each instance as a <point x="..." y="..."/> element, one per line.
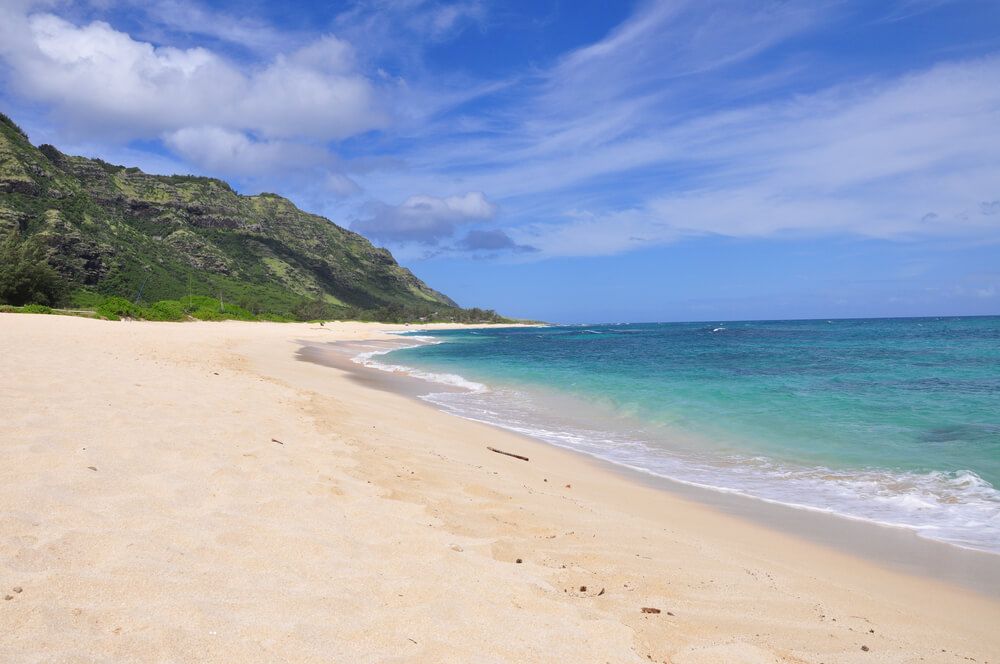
<point x="254" y="506"/>
<point x="892" y="547"/>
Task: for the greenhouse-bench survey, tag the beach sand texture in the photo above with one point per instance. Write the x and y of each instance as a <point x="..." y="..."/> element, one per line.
<point x="193" y="493"/>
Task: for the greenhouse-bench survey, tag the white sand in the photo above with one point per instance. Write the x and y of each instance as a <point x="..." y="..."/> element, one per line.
<point x="380" y="530"/>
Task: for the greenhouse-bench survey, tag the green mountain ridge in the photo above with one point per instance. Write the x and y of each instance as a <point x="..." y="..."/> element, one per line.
<point x="116" y="231"/>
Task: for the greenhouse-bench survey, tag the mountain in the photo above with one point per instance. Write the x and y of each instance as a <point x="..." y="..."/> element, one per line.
<point x="116" y="231"/>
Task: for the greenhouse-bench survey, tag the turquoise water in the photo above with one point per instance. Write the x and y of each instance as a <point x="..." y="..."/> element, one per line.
<point x="890" y="420"/>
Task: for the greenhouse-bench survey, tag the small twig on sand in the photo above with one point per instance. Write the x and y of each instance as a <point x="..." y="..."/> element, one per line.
<point x="510" y="454"/>
<point x="275" y="440"/>
<point x="649" y="609"/>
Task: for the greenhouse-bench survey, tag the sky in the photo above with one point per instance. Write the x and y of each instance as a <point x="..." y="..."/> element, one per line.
<point x="571" y="161"/>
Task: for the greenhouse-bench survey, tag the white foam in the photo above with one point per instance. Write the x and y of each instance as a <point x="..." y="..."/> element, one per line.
<point x="955" y="507"/>
<point x="452" y="380"/>
<point x="959" y="507"/>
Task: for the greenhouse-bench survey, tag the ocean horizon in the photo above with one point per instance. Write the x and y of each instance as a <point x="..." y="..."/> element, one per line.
<point x="894" y="421"/>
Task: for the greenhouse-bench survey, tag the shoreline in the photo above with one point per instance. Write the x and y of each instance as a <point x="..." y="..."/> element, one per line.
<point x="892" y="547"/>
<point x="195" y="492"/>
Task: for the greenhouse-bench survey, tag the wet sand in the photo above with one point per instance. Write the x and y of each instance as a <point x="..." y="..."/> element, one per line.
<point x="898" y="549"/>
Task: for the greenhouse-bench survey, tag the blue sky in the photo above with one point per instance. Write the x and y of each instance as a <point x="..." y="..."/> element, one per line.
<point x="571" y="161"/>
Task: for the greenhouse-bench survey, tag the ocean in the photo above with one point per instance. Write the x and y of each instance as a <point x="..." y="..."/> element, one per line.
<point x="894" y="421"/>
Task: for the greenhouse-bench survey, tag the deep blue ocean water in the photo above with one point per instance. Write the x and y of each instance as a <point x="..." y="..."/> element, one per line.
<point x="890" y="420"/>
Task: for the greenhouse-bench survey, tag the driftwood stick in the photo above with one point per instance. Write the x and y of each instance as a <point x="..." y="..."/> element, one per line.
<point x="275" y="440"/>
<point x="510" y="454"/>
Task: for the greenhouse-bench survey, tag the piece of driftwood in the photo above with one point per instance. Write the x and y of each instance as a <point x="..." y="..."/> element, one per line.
<point x="649" y="609"/>
<point x="275" y="440"/>
<point x="510" y="454"/>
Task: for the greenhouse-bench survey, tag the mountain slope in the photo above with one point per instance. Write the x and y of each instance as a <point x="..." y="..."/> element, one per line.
<point x="118" y="231"/>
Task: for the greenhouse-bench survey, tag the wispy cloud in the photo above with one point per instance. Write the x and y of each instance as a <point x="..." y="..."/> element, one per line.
<point x="688" y="118"/>
<point x="905" y="9"/>
<point x="592" y="163"/>
<point x="166" y="20"/>
<point x="895" y="159"/>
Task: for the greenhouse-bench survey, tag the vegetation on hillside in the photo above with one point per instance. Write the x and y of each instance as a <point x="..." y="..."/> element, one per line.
<point x="88" y="234"/>
<point x="26" y="276"/>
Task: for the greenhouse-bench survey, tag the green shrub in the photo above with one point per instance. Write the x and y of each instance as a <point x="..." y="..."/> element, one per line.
<point x="207" y="308"/>
<point x="51" y="153"/>
<point x="193" y="302"/>
<point x="207" y="313"/>
<point x="82" y="298"/>
<point x="115" y="308"/>
<point x="165" y="310"/>
<point x="7" y="309"/>
<point x="315" y="309"/>
<point x="236" y="312"/>
<point x="275" y="318"/>
<point x="13" y="125"/>
<point x="36" y="309"/>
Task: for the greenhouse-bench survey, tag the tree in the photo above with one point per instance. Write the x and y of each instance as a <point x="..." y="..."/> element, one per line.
<point x="25" y="274"/>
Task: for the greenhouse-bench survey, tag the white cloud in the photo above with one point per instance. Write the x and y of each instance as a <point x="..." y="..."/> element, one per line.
<point x="342" y="185"/>
<point x="424" y="219"/>
<point x="190" y="18"/>
<point x="444" y="20"/>
<point x="397" y="25"/>
<point x="664" y="47"/>
<point x="223" y="150"/>
<point x="472" y="205"/>
<point x="101" y="80"/>
<point x="905" y="9"/>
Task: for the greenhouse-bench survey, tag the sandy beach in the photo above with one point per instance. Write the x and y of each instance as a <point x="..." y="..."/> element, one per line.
<point x="181" y="492"/>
